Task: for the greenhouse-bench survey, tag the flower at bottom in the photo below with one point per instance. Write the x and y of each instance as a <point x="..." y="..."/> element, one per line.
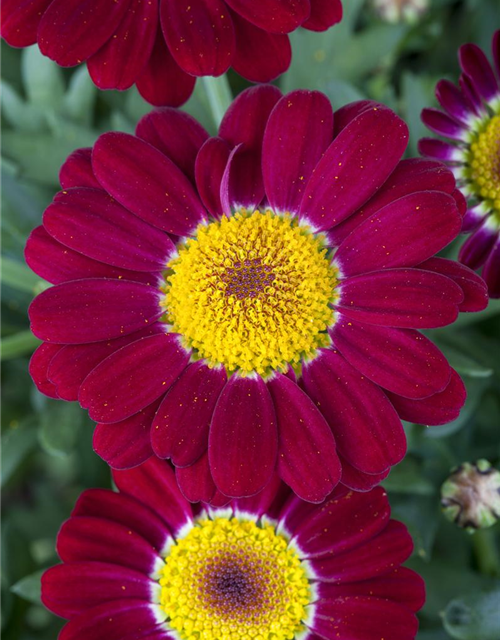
<point x="145" y="563"/>
<point x="251" y="302"/>
<point x="471" y="122"/>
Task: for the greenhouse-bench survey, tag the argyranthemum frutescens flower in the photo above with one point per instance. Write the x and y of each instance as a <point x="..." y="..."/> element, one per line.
<point x="163" y="45"/>
<point x="251" y="302"/>
<point x="145" y="563"/>
<point x="471" y="120"/>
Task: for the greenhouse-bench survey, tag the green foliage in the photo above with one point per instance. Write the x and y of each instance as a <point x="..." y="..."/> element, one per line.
<point x="47" y="445"/>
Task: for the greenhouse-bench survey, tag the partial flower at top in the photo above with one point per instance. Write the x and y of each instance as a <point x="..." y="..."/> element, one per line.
<point x="163" y="45"/>
<point x="471" y="122"/>
<point x="251" y="302"/>
<point x="144" y="563"/>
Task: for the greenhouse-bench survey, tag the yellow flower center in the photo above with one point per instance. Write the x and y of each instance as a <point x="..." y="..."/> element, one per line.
<point x="484" y="164"/>
<point x="230" y="579"/>
<point x="252" y="292"/>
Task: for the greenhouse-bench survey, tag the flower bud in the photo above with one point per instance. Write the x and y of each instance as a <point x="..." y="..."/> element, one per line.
<point x="395" y="11"/>
<point x="471" y="495"/>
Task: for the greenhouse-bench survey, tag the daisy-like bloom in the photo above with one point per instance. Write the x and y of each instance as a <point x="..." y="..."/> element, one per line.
<point x="250" y="302"/>
<point x="145" y="563"/>
<point x="163" y="45"/>
<point x="471" y="122"/>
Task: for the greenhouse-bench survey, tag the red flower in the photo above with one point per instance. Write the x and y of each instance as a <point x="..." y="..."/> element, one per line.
<point x="471" y="120"/>
<point x="257" y="295"/>
<point x="163" y="45"/>
<point x="146" y="563"/>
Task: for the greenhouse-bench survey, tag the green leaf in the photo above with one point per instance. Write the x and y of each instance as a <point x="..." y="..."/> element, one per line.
<point x="19" y="276"/>
<point x="60" y="423"/>
<point x="407" y="477"/>
<point x="43" y="79"/>
<point x="17" y="345"/>
<point x="29" y="587"/>
<point x="219" y="96"/>
<point x="79" y="100"/>
<point x="19" y="114"/>
<point x="474" y="617"/>
<point x="17" y="443"/>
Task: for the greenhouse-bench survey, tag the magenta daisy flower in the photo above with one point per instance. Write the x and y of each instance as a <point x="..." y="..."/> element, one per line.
<point x="163" y="45"/>
<point x="145" y="563"/>
<point x="251" y="302"/>
<point x="471" y="122"/>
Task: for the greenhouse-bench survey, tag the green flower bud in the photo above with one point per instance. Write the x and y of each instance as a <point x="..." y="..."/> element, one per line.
<point x="471" y="495"/>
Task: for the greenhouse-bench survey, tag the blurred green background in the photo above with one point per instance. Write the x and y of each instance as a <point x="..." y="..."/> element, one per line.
<point x="46" y="445"/>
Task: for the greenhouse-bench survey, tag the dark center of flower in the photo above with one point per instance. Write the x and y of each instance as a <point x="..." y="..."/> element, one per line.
<point x="247" y="279"/>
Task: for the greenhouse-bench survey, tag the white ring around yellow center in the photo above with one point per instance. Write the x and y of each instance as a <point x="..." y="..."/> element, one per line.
<point x="252" y="292"/>
<point x="231" y="579"/>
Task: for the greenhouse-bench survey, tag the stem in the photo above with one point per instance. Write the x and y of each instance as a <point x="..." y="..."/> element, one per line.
<point x="486" y="552"/>
<point x="219" y="96"/>
<point x="17" y="275"/>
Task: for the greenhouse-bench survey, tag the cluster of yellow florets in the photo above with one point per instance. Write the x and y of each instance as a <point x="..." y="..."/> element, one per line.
<point x="484" y="164"/>
<point x="230" y="579"/>
<point x="252" y="292"/>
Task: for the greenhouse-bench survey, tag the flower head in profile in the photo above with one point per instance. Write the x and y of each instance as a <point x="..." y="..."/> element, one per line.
<point x="146" y="563"/>
<point x="250" y="303"/>
<point x="470" y="120"/>
<point x="162" y="46"/>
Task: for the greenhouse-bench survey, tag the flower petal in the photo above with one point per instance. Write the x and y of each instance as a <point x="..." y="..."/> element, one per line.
<point x="147" y="183"/>
<point x="367" y="430"/>
<point x="443" y="125"/>
<point x="410" y="176"/>
<point x="376" y="557"/>
<point x="77" y="170"/>
<point x="276" y="16"/>
<point x="200" y="35"/>
<point x="453" y="101"/>
<point x="243" y="439"/>
<point x="402" y="585"/>
<point x="181" y="425"/>
<point x="343" y="523"/>
<point x="119" y="62"/>
<point x="92" y="310"/>
<point x="127" y="511"/>
<point x="440" y="408"/>
<point x="210" y="167"/>
<point x="39" y="366"/>
<point x="298" y="132"/>
<point x="267" y="502"/>
<point x="364" y="618"/>
<point x="473" y="287"/>
<point x="85" y="538"/>
<point x="196" y="482"/>
<point x="401" y="298"/>
<point x="475" y="64"/>
<point x="118" y="620"/>
<point x="324" y="14"/>
<point x="400" y="360"/>
<point x="491" y="270"/>
<point x="127" y="443"/>
<point x="70" y="31"/>
<point x="71" y="589"/>
<point x="162" y="82"/>
<point x="93" y="223"/>
<point x="439" y="149"/>
<point x="56" y="263"/>
<point x="20" y="20"/>
<point x="74" y="362"/>
<point x="354" y="167"/>
<point x="259" y="56"/>
<point x="358" y="481"/>
<point x="176" y="134"/>
<point x="154" y="484"/>
<point x="307" y="457"/>
<point x="477" y="248"/>
<point x="133" y="377"/>
<point x="241" y="184"/>
<point x="402" y="234"/>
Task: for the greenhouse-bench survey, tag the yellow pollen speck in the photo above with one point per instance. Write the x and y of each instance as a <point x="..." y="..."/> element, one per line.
<point x="483" y="165"/>
<point x="252" y="292"/>
<point x="231" y="579"/>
